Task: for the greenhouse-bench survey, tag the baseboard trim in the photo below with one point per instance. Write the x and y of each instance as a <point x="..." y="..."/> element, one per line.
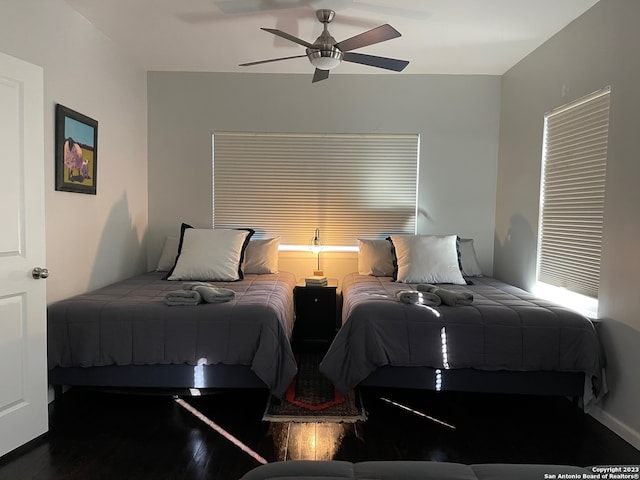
<point x="625" y="432"/>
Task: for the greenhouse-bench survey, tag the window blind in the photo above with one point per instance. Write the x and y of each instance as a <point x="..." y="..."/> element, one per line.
<point x="349" y="186"/>
<point x="572" y="194"/>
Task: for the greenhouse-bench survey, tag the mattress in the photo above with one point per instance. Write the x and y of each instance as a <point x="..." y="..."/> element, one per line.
<point x="128" y="323"/>
<point x="504" y="328"/>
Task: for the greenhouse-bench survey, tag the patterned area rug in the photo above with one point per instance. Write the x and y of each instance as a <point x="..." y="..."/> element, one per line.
<point x="312" y="398"/>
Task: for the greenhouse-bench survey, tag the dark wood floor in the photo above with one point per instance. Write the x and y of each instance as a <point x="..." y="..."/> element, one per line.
<point x="96" y="435"/>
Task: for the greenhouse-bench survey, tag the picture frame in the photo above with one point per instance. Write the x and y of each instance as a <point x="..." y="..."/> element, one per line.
<point x="76" y="143"/>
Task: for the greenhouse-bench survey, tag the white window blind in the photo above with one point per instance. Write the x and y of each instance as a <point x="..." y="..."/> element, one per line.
<point x="349" y="186"/>
<point x="572" y="194"/>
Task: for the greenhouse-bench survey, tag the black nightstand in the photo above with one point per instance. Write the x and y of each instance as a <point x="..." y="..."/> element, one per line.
<point x="315" y="310"/>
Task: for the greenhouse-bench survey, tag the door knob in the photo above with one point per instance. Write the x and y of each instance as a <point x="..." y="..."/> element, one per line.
<point x="38" y="272"/>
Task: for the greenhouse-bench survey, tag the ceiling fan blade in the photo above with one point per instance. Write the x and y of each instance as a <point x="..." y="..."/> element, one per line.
<point x="320" y="75"/>
<point x="373" y="61"/>
<point x="288" y="36"/>
<point x="269" y="61"/>
<point x="375" y="35"/>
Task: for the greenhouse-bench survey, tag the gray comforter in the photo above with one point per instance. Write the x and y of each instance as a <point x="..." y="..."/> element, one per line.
<point x="128" y="323"/>
<point x="505" y="328"/>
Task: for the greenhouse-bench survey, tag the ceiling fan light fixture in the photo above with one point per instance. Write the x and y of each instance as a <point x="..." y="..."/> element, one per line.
<point x="325" y="59"/>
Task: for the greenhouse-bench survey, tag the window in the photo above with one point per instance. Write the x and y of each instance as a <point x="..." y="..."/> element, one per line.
<point x="349" y="186"/>
<point x="572" y="196"/>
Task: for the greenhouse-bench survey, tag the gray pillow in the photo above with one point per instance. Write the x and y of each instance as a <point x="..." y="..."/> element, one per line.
<point x="468" y="260"/>
<point x="169" y="253"/>
<point x="261" y="256"/>
<point x="375" y="257"/>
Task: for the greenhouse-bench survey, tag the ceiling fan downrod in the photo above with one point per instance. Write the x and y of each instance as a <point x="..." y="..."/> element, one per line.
<point x="324" y="54"/>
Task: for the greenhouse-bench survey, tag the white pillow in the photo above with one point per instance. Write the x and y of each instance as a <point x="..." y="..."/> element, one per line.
<point x="427" y="259"/>
<point x="261" y="256"/>
<point x="375" y="257"/>
<point x="169" y="254"/>
<point x="210" y="255"/>
<point x="468" y="260"/>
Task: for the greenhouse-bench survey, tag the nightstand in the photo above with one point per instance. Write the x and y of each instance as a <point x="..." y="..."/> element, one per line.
<point x="315" y="311"/>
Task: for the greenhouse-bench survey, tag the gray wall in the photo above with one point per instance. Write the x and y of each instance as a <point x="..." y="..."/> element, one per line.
<point x="456" y="116"/>
<point x="91" y="240"/>
<point x="598" y="49"/>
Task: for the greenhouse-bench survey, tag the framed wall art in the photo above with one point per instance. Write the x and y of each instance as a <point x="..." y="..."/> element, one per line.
<point x="76" y="151"/>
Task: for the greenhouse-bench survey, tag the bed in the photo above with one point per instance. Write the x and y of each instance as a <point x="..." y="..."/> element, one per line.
<point x="125" y="335"/>
<point x="505" y="341"/>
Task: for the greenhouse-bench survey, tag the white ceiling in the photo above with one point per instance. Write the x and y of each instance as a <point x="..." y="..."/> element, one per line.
<point x="438" y="36"/>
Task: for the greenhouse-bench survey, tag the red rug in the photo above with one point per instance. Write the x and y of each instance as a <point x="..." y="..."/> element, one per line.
<point x="312" y="398"/>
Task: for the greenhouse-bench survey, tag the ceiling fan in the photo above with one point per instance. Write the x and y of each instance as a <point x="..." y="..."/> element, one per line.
<point x="325" y="53"/>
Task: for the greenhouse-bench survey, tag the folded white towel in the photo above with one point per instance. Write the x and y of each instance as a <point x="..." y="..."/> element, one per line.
<point x="212" y="294"/>
<point x="413" y="297"/>
<point x="182" y="297"/>
<point x="448" y="297"/>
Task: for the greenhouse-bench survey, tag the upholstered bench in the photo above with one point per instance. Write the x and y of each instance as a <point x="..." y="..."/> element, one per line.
<point x="411" y="470"/>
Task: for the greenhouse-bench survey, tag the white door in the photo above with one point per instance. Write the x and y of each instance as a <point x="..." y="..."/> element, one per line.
<point x="23" y="334"/>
